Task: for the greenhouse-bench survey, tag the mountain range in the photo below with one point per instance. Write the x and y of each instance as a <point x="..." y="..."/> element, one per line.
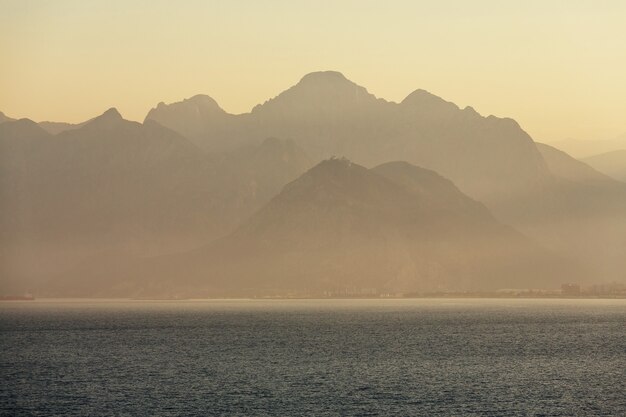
<point x="197" y="198"/>
<point x="328" y="115"/>
<point x="489" y="158"/>
<point x="116" y="187"/>
<point x="341" y="228"/>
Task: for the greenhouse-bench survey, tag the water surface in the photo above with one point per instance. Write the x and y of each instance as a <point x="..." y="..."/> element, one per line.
<point x="316" y="357"/>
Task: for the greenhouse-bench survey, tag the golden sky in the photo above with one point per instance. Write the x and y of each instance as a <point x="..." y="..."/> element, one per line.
<point x="557" y="67"/>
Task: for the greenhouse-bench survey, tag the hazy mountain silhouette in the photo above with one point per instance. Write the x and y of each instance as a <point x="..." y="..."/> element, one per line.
<point x="581" y="213"/>
<point x="491" y="159"/>
<point x="611" y="163"/>
<point x="192" y="173"/>
<point x="329" y="115"/>
<point x="50" y="127"/>
<point x="584" y="148"/>
<point x="394" y="228"/>
<point x="114" y="186"/>
<point x="58" y="127"/>
<point x="564" y="166"/>
<point x="195" y="118"/>
<point x="341" y="227"/>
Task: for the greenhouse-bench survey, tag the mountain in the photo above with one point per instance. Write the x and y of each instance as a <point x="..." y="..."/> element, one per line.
<point x="111" y="183"/>
<point x="439" y="193"/>
<point x="581" y="148"/>
<point x="196" y="118"/>
<point x="113" y="186"/>
<point x="582" y="213"/>
<point x="58" y="127"/>
<point x="50" y="127"/>
<point x="327" y="114"/>
<point x="544" y="194"/>
<point x="341" y="228"/>
<point x="192" y="172"/>
<point x="611" y="163"/>
<point x="564" y="166"/>
<point x="5" y="118"/>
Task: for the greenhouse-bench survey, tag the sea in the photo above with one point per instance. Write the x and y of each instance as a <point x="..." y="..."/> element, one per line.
<point x="376" y="357"/>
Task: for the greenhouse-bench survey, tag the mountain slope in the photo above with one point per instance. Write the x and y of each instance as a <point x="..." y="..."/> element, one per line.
<point x="490" y="159"/>
<point x="440" y="193"/>
<point x="328" y="114"/>
<point x="203" y="181"/>
<point x="581" y="213"/>
<point x="611" y="163"/>
<point x="114" y="187"/>
<point x="58" y="127"/>
<point x="564" y="166"/>
<point x="341" y="228"/>
<point x="195" y="118"/>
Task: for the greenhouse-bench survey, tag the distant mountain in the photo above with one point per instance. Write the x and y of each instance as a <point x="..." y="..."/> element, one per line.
<point x="58" y="127"/>
<point x="581" y="213"/>
<point x="50" y="127"/>
<point x="564" y="166"/>
<point x="490" y="159"/>
<point x="192" y="173"/>
<point x="611" y="163"/>
<point x="341" y="228"/>
<point x="581" y="148"/>
<point x="111" y="183"/>
<point x="328" y="114"/>
<point x="197" y="117"/>
<point x="114" y="186"/>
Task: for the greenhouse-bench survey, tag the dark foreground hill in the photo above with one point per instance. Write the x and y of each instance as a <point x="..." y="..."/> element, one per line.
<point x="341" y="228"/>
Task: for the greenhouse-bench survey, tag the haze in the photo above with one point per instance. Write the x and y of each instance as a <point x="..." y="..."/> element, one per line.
<point x="557" y="67"/>
<point x="197" y="150"/>
<point x="321" y="207"/>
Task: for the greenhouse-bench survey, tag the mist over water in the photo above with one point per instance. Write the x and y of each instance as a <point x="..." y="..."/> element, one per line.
<point x="315" y="357"/>
<point x="411" y="208"/>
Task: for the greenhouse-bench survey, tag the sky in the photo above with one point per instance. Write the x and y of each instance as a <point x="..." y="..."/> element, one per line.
<point x="557" y="67"/>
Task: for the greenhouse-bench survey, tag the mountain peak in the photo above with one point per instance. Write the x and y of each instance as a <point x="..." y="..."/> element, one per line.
<point x="22" y="128"/>
<point x="319" y="94"/>
<point x="110" y="115"/>
<point x="337" y="177"/>
<point x="202" y="98"/>
<point x="187" y="116"/>
<point x="200" y="103"/>
<point x="108" y="119"/>
<point x="334" y="165"/>
<point x="324" y="76"/>
<point x="328" y="81"/>
<point x="422" y="97"/>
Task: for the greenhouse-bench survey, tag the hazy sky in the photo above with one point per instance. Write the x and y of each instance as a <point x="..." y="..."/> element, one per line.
<point x="558" y="67"/>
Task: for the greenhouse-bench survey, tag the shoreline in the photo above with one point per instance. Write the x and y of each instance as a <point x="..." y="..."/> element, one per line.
<point x="279" y="298"/>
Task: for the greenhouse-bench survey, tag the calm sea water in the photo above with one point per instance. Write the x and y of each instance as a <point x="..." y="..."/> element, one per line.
<point x="314" y="357"/>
